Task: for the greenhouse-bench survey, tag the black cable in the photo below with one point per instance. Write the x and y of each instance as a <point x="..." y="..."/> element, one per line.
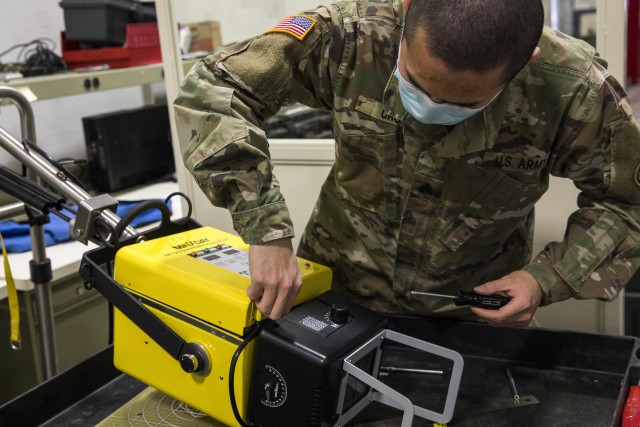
<point x="138" y="209"/>
<point x="116" y="232"/>
<point x="70" y="208"/>
<point x="189" y="206"/>
<point x="28" y="145"/>
<point x="109" y="238"/>
<point x="36" y="57"/>
<point x="60" y="215"/>
<point x="232" y="370"/>
<point x="40" y="60"/>
<point x="25" y="45"/>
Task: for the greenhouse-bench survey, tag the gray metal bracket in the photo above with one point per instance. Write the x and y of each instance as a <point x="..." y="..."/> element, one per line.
<point x="81" y="228"/>
<point x="380" y="392"/>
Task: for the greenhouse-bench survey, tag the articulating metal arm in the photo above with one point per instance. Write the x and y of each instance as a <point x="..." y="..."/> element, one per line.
<point x="42" y="168"/>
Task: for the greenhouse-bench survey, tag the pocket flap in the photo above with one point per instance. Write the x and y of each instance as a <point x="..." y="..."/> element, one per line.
<point x="480" y="211"/>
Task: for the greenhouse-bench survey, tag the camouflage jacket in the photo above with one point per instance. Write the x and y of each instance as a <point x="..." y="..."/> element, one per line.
<point x="412" y="206"/>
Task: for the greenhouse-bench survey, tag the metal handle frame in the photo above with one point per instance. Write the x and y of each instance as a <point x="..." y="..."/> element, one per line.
<point x="380" y="392"/>
<point x="41" y="166"/>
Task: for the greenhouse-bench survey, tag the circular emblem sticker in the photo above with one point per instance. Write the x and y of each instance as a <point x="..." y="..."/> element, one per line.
<point x="275" y="388"/>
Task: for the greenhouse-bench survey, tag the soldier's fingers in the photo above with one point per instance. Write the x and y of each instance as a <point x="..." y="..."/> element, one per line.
<point x="490" y="288"/>
<point x="502" y="316"/>
<point x="254" y="292"/>
<point x="280" y="307"/>
<point x="287" y="293"/>
<point x="511" y="314"/>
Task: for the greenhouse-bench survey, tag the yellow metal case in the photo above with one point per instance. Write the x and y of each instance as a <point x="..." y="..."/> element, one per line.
<point x="195" y="282"/>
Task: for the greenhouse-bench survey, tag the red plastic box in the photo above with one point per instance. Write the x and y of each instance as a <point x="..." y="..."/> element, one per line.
<point x="142" y="47"/>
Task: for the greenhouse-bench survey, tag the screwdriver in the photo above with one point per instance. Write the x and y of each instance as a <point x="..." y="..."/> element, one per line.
<point x="492" y="302"/>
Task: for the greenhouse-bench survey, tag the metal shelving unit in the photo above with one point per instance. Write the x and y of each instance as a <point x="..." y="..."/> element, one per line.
<point x="79" y="83"/>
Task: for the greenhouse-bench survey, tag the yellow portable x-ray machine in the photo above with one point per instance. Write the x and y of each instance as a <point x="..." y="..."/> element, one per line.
<point x="184" y="325"/>
<point x="194" y="282"/>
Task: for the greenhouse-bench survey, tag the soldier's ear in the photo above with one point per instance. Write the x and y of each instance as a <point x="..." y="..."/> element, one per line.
<point x="406" y="4"/>
<point x="535" y="55"/>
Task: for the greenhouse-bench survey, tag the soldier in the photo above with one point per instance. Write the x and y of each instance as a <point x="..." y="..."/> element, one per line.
<point x="449" y="117"/>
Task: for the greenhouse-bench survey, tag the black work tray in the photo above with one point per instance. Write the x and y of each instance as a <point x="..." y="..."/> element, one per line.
<point x="579" y="379"/>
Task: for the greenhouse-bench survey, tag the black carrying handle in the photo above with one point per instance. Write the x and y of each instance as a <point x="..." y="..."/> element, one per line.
<point x="94" y="276"/>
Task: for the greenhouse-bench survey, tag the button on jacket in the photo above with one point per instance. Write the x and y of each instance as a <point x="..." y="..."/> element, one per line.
<point x="409" y="206"/>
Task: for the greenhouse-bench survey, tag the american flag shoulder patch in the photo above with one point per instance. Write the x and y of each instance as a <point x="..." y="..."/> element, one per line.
<point x="296" y="25"/>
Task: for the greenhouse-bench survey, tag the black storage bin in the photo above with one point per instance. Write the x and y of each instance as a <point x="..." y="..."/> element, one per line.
<point x="97" y="21"/>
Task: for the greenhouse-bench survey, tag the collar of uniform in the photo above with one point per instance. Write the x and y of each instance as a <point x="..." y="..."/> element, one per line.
<point x="477" y="133"/>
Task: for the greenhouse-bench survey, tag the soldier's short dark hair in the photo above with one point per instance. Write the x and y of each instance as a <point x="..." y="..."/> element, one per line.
<point x="478" y="35"/>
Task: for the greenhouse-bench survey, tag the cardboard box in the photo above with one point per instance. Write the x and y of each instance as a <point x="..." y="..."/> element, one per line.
<point x="205" y="36"/>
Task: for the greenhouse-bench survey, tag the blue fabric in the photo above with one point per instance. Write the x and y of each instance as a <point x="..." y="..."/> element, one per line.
<point x="17" y="239"/>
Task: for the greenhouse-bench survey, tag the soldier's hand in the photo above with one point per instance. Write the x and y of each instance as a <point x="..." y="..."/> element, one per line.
<point x="525" y="293"/>
<point x="275" y="277"/>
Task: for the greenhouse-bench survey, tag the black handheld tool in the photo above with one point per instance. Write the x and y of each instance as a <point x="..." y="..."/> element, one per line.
<point x="492" y="302"/>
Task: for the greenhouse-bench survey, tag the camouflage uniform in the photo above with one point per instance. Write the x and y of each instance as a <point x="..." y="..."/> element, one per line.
<point x="413" y="206"/>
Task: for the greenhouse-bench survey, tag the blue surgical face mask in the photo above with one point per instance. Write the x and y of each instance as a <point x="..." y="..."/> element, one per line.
<point x="420" y="106"/>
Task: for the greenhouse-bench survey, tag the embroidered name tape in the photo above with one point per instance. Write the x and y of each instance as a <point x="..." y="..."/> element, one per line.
<point x="375" y="109"/>
<point x="297" y="25"/>
<point x="514" y="162"/>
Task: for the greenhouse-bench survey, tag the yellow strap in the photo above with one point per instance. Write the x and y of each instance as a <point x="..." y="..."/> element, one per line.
<point x="12" y="294"/>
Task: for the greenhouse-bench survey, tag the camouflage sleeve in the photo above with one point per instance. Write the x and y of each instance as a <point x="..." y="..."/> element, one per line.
<point x="601" y="154"/>
<point x="219" y="109"/>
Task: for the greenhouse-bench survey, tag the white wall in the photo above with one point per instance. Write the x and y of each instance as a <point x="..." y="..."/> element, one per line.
<point x="552" y="211"/>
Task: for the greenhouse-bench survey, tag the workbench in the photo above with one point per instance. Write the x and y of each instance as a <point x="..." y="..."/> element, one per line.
<point x="579" y="380"/>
